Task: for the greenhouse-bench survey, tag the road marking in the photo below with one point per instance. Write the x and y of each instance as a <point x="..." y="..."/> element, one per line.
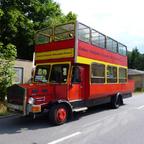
<point x="64" y="138"/>
<point x="140" y="107"/>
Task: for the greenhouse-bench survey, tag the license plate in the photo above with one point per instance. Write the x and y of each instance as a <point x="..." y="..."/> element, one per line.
<point x="15" y="107"/>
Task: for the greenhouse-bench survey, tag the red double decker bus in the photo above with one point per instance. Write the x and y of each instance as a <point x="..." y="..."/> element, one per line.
<point x="77" y="67"/>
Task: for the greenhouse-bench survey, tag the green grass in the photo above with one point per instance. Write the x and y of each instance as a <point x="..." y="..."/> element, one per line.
<point x="4" y="114"/>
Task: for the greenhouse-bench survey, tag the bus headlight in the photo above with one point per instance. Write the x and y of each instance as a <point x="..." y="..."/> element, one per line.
<point x="31" y="100"/>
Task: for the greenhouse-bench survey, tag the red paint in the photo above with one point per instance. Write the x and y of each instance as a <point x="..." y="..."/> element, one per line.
<point x="73" y="92"/>
<point x="50" y="92"/>
<point x="83" y="90"/>
<point x="92" y="52"/>
<point x="55" y="45"/>
<point x="103" y="90"/>
<point x="61" y="114"/>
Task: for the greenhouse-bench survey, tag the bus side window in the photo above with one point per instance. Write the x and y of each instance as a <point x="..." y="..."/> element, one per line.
<point x="76" y="75"/>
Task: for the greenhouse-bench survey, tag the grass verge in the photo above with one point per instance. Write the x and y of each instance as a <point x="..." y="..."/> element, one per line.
<point x="3" y="109"/>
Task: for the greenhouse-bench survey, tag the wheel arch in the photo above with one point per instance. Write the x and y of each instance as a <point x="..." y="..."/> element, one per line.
<point x="120" y="95"/>
<point x="116" y="100"/>
<point x="64" y="102"/>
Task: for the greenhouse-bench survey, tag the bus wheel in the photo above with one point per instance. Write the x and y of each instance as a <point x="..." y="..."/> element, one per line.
<point x="116" y="101"/>
<point x="58" y="114"/>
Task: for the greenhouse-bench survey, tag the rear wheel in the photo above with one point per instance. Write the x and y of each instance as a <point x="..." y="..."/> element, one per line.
<point x="116" y="101"/>
<point x="58" y="114"/>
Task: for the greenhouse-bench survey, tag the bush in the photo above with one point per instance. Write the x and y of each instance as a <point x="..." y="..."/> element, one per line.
<point x="139" y="90"/>
<point x="7" y="58"/>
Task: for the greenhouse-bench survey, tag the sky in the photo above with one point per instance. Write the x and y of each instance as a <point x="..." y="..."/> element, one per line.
<point x="122" y="20"/>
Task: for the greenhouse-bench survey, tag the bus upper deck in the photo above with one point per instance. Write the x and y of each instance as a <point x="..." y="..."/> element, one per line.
<point x="77" y="43"/>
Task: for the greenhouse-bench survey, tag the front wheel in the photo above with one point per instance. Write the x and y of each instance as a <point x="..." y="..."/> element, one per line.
<point x="58" y="114"/>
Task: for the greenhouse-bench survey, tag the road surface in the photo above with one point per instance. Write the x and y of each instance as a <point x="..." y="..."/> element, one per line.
<point x="99" y="125"/>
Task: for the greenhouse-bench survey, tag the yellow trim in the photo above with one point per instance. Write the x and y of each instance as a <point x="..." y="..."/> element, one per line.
<point x="126" y="75"/>
<point x="105" y="74"/>
<point x="63" y="53"/>
<point x="89" y="61"/>
<point x="117" y="74"/>
<point x="90" y="73"/>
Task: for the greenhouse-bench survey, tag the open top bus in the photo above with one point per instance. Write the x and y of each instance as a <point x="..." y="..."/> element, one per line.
<point x="77" y="67"/>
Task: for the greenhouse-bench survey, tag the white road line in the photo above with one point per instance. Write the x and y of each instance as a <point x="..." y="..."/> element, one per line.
<point x="64" y="138"/>
<point x="140" y="107"/>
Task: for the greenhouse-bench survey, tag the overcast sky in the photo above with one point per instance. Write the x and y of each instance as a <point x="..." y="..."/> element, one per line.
<point x="122" y="20"/>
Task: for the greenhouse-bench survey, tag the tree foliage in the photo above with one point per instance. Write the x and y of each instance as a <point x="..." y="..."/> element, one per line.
<point x="7" y="57"/>
<point x="135" y="59"/>
<point x="22" y="18"/>
<point x="19" y="21"/>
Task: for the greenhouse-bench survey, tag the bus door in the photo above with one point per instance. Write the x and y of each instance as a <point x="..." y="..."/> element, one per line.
<point x="77" y="86"/>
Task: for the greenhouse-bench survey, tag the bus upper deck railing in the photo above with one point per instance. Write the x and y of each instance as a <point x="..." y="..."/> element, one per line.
<point x="85" y="33"/>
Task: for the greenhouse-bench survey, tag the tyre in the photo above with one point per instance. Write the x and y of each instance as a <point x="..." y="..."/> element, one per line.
<point x="116" y="101"/>
<point x="58" y="114"/>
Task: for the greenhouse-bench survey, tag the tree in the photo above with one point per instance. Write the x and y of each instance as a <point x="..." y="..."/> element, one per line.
<point x="7" y="57"/>
<point x="22" y="18"/>
<point x="19" y="21"/>
<point x="135" y="59"/>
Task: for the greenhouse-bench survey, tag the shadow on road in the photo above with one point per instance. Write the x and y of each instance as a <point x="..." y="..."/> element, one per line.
<point x="92" y="110"/>
<point x="18" y="124"/>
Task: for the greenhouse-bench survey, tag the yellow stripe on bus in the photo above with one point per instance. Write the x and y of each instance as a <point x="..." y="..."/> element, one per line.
<point x="63" y="53"/>
<point x="89" y="61"/>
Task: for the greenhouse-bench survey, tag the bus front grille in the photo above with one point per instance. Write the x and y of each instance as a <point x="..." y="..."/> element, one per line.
<point x="16" y="95"/>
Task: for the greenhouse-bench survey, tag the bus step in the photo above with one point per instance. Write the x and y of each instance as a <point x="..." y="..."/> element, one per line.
<point x="80" y="109"/>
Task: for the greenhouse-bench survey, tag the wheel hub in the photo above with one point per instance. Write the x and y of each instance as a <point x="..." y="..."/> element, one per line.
<point x="61" y="114"/>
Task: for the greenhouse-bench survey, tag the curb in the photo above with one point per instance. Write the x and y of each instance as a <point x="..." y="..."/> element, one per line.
<point x="7" y="116"/>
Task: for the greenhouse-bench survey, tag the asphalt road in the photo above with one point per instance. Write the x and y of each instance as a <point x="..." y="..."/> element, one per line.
<point x="99" y="125"/>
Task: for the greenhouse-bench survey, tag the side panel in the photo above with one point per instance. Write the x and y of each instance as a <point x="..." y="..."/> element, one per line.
<point x="92" y="52"/>
<point x="100" y="94"/>
<point x="104" y="90"/>
<point x="60" y="91"/>
<point x="75" y="92"/>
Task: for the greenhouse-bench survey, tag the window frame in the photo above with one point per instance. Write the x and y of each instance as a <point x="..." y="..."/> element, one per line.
<point x="48" y="74"/>
<point x="93" y="78"/>
<point x="111" y="46"/>
<point x="99" y="39"/>
<point x="75" y="82"/>
<point x="113" y="79"/>
<point x="70" y="33"/>
<point x="89" y="33"/>
<point x="126" y="76"/>
<point x="19" y="74"/>
<point x="66" y="76"/>
<point x="120" y="51"/>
